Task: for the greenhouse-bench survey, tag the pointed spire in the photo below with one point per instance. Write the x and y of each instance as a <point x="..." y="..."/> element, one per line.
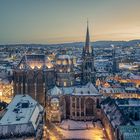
<point x="87" y="48"/>
<point x="87" y="43"/>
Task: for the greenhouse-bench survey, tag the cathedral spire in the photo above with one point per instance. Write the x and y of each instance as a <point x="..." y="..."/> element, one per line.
<point x="87" y="43"/>
<point x="88" y="70"/>
<point x="87" y="48"/>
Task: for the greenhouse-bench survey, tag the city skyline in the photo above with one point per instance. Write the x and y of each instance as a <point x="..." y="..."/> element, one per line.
<point x="65" y="21"/>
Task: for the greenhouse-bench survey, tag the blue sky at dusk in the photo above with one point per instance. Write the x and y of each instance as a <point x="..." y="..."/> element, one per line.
<point x="55" y="21"/>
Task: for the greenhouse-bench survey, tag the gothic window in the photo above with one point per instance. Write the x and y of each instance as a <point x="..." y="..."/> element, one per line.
<point x="73" y="105"/>
<point x="82" y="113"/>
<point x="77" y="102"/>
<point x="73" y="113"/>
<point x="73" y="99"/>
<point x="82" y="103"/>
<point x="89" y="107"/>
<point x="78" y="114"/>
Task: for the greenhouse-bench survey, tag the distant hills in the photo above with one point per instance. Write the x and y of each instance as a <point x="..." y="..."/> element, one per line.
<point x="74" y="44"/>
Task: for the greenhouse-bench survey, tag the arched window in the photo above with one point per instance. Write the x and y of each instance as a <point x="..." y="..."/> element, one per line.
<point x="89" y="107"/>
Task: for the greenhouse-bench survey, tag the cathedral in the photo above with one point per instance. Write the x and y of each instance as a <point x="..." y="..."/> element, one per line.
<point x="54" y="84"/>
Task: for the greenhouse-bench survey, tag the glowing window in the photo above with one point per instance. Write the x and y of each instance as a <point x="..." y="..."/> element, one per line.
<point x="65" y="62"/>
<point x="68" y="69"/>
<point x="58" y="62"/>
<point x="65" y="83"/>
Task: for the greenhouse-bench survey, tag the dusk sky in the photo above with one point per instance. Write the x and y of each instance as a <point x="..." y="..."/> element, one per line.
<point x="55" y="21"/>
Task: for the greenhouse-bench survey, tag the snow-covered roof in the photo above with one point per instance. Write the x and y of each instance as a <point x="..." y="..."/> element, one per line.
<point x="130" y="89"/>
<point x="54" y="100"/>
<point x="88" y="89"/>
<point x="55" y="91"/>
<point x="65" y="57"/>
<point x="111" y="90"/>
<point x="35" y="61"/>
<point x="113" y="113"/>
<point x="130" y="132"/>
<point x="132" y="76"/>
<point x="128" y="102"/>
<point x="23" y="110"/>
<point x="67" y="90"/>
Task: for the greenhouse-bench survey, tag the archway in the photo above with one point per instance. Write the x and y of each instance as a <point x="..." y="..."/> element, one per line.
<point x="89" y="107"/>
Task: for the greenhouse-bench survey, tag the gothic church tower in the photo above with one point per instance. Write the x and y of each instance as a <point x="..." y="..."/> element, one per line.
<point x="88" y="70"/>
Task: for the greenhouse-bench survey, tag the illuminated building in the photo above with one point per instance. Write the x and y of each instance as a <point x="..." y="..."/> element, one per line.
<point x="34" y="75"/>
<point x="118" y="87"/>
<point x="6" y="91"/>
<point x="55" y="84"/>
<point x="65" y="71"/>
<point x="56" y="105"/>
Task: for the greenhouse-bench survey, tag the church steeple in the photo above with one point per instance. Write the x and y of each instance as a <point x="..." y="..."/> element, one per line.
<point x="88" y="70"/>
<point x="87" y="43"/>
<point x="87" y="48"/>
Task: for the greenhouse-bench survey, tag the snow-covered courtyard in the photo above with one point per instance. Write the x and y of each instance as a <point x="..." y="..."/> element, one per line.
<point x="76" y="125"/>
<point x="81" y="130"/>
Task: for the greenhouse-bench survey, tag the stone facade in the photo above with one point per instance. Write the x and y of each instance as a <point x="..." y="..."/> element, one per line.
<point x="55" y="105"/>
<point x="31" y="77"/>
<point x="81" y="104"/>
<point x="64" y="71"/>
<point x="83" y="107"/>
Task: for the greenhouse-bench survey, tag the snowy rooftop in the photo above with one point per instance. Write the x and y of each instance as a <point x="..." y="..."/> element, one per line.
<point x="113" y="113"/>
<point x="65" y="57"/>
<point x="130" y="132"/>
<point x="68" y="90"/>
<point x="112" y="90"/>
<point x="34" y="61"/>
<point x="22" y="110"/>
<point x="55" y="91"/>
<point x="128" y="102"/>
<point x="88" y="89"/>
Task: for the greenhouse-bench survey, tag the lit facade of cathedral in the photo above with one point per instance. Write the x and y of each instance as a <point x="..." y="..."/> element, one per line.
<point x="54" y="85"/>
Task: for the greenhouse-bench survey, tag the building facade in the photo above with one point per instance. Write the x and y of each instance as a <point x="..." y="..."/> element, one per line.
<point x="65" y="71"/>
<point x="34" y="75"/>
<point x="26" y="121"/>
<point x="84" y="103"/>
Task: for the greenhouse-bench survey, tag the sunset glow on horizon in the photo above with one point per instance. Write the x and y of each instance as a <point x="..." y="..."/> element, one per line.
<point x="53" y="21"/>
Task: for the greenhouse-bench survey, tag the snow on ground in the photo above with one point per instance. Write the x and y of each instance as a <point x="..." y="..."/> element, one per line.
<point x="78" y="125"/>
<point x="88" y="134"/>
<point x="93" y="132"/>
